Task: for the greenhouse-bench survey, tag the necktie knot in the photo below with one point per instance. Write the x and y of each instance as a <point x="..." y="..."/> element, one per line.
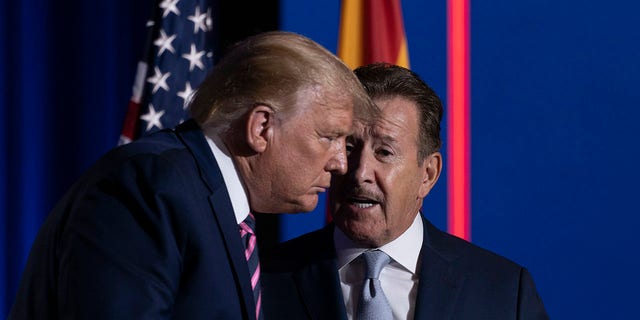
<point x="375" y="261"/>
<point x="248" y="225"/>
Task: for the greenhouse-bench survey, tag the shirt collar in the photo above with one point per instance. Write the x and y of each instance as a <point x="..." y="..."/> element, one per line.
<point x="235" y="188"/>
<point x="404" y="250"/>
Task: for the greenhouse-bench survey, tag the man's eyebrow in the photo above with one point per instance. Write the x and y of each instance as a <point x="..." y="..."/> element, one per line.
<point x="385" y="138"/>
<point x="334" y="132"/>
<point x="340" y="132"/>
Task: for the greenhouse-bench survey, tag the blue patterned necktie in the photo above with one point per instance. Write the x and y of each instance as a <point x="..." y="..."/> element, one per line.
<point x="373" y="303"/>
<point x="247" y="233"/>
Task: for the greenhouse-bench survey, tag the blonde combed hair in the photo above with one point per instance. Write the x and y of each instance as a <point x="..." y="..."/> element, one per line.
<point x="272" y="68"/>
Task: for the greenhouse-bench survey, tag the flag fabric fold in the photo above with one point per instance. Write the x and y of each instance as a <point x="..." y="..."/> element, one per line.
<point x="372" y="31"/>
<point x="178" y="55"/>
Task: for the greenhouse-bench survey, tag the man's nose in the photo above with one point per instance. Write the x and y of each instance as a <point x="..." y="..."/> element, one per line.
<point x="360" y="168"/>
<point x="338" y="163"/>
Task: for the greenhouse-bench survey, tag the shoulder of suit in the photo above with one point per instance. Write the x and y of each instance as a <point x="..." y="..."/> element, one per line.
<point x="464" y="253"/>
<point x="159" y="156"/>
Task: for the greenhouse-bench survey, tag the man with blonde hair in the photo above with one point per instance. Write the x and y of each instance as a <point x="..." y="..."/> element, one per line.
<point x="163" y="227"/>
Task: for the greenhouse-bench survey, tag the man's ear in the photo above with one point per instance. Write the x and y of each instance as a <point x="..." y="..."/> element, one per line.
<point x="259" y="127"/>
<point x="431" y="169"/>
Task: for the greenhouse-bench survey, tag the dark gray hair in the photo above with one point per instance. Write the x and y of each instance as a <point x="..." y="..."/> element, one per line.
<point x="382" y="80"/>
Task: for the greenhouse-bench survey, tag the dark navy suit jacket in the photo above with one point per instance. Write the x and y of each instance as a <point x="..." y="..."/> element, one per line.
<point x="147" y="233"/>
<point x="458" y="280"/>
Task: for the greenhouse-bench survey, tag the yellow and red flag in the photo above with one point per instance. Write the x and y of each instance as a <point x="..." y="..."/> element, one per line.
<point x="372" y="31"/>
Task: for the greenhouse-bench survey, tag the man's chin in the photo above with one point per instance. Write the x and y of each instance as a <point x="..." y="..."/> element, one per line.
<point x="365" y="239"/>
<point x="363" y="232"/>
<point x="310" y="204"/>
<point x="305" y="204"/>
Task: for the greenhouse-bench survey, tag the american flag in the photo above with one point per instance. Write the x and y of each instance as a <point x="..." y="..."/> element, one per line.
<point x="178" y="55"/>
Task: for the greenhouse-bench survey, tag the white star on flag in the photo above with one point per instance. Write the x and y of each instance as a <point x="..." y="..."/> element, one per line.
<point x="199" y="20"/>
<point x="159" y="80"/>
<point x="152" y="118"/>
<point x="175" y="62"/>
<point x="185" y="94"/>
<point x="194" y="58"/>
<point x="164" y="43"/>
<point x="169" y="6"/>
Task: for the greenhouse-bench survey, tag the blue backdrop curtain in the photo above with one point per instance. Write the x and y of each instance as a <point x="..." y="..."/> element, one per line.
<point x="555" y="109"/>
<point x="65" y="80"/>
<point x="66" y="71"/>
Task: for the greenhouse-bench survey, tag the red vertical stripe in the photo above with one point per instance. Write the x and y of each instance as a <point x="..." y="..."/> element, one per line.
<point x="129" y="128"/>
<point x="459" y="211"/>
<point x="383" y="31"/>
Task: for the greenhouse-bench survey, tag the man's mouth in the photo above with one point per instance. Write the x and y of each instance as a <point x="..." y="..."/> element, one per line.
<point x="361" y="203"/>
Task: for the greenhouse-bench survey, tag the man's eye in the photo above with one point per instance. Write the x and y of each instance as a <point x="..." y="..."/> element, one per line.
<point x="384" y="152"/>
<point x="349" y="147"/>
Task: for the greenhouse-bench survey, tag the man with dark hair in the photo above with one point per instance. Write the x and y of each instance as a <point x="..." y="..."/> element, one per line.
<point x="162" y="228"/>
<point x="381" y="258"/>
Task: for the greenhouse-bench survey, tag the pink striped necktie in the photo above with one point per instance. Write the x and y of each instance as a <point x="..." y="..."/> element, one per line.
<point x="247" y="233"/>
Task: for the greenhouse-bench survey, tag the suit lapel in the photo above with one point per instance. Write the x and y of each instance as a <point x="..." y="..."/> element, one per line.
<point x="318" y="282"/>
<point x="235" y="251"/>
<point x="440" y="282"/>
<point x="193" y="137"/>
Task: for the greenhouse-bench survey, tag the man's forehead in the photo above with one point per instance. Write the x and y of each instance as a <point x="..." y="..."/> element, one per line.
<point x="378" y="131"/>
<point x="330" y="98"/>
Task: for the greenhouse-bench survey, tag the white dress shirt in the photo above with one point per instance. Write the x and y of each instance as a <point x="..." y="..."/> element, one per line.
<point x="235" y="188"/>
<point x="398" y="279"/>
